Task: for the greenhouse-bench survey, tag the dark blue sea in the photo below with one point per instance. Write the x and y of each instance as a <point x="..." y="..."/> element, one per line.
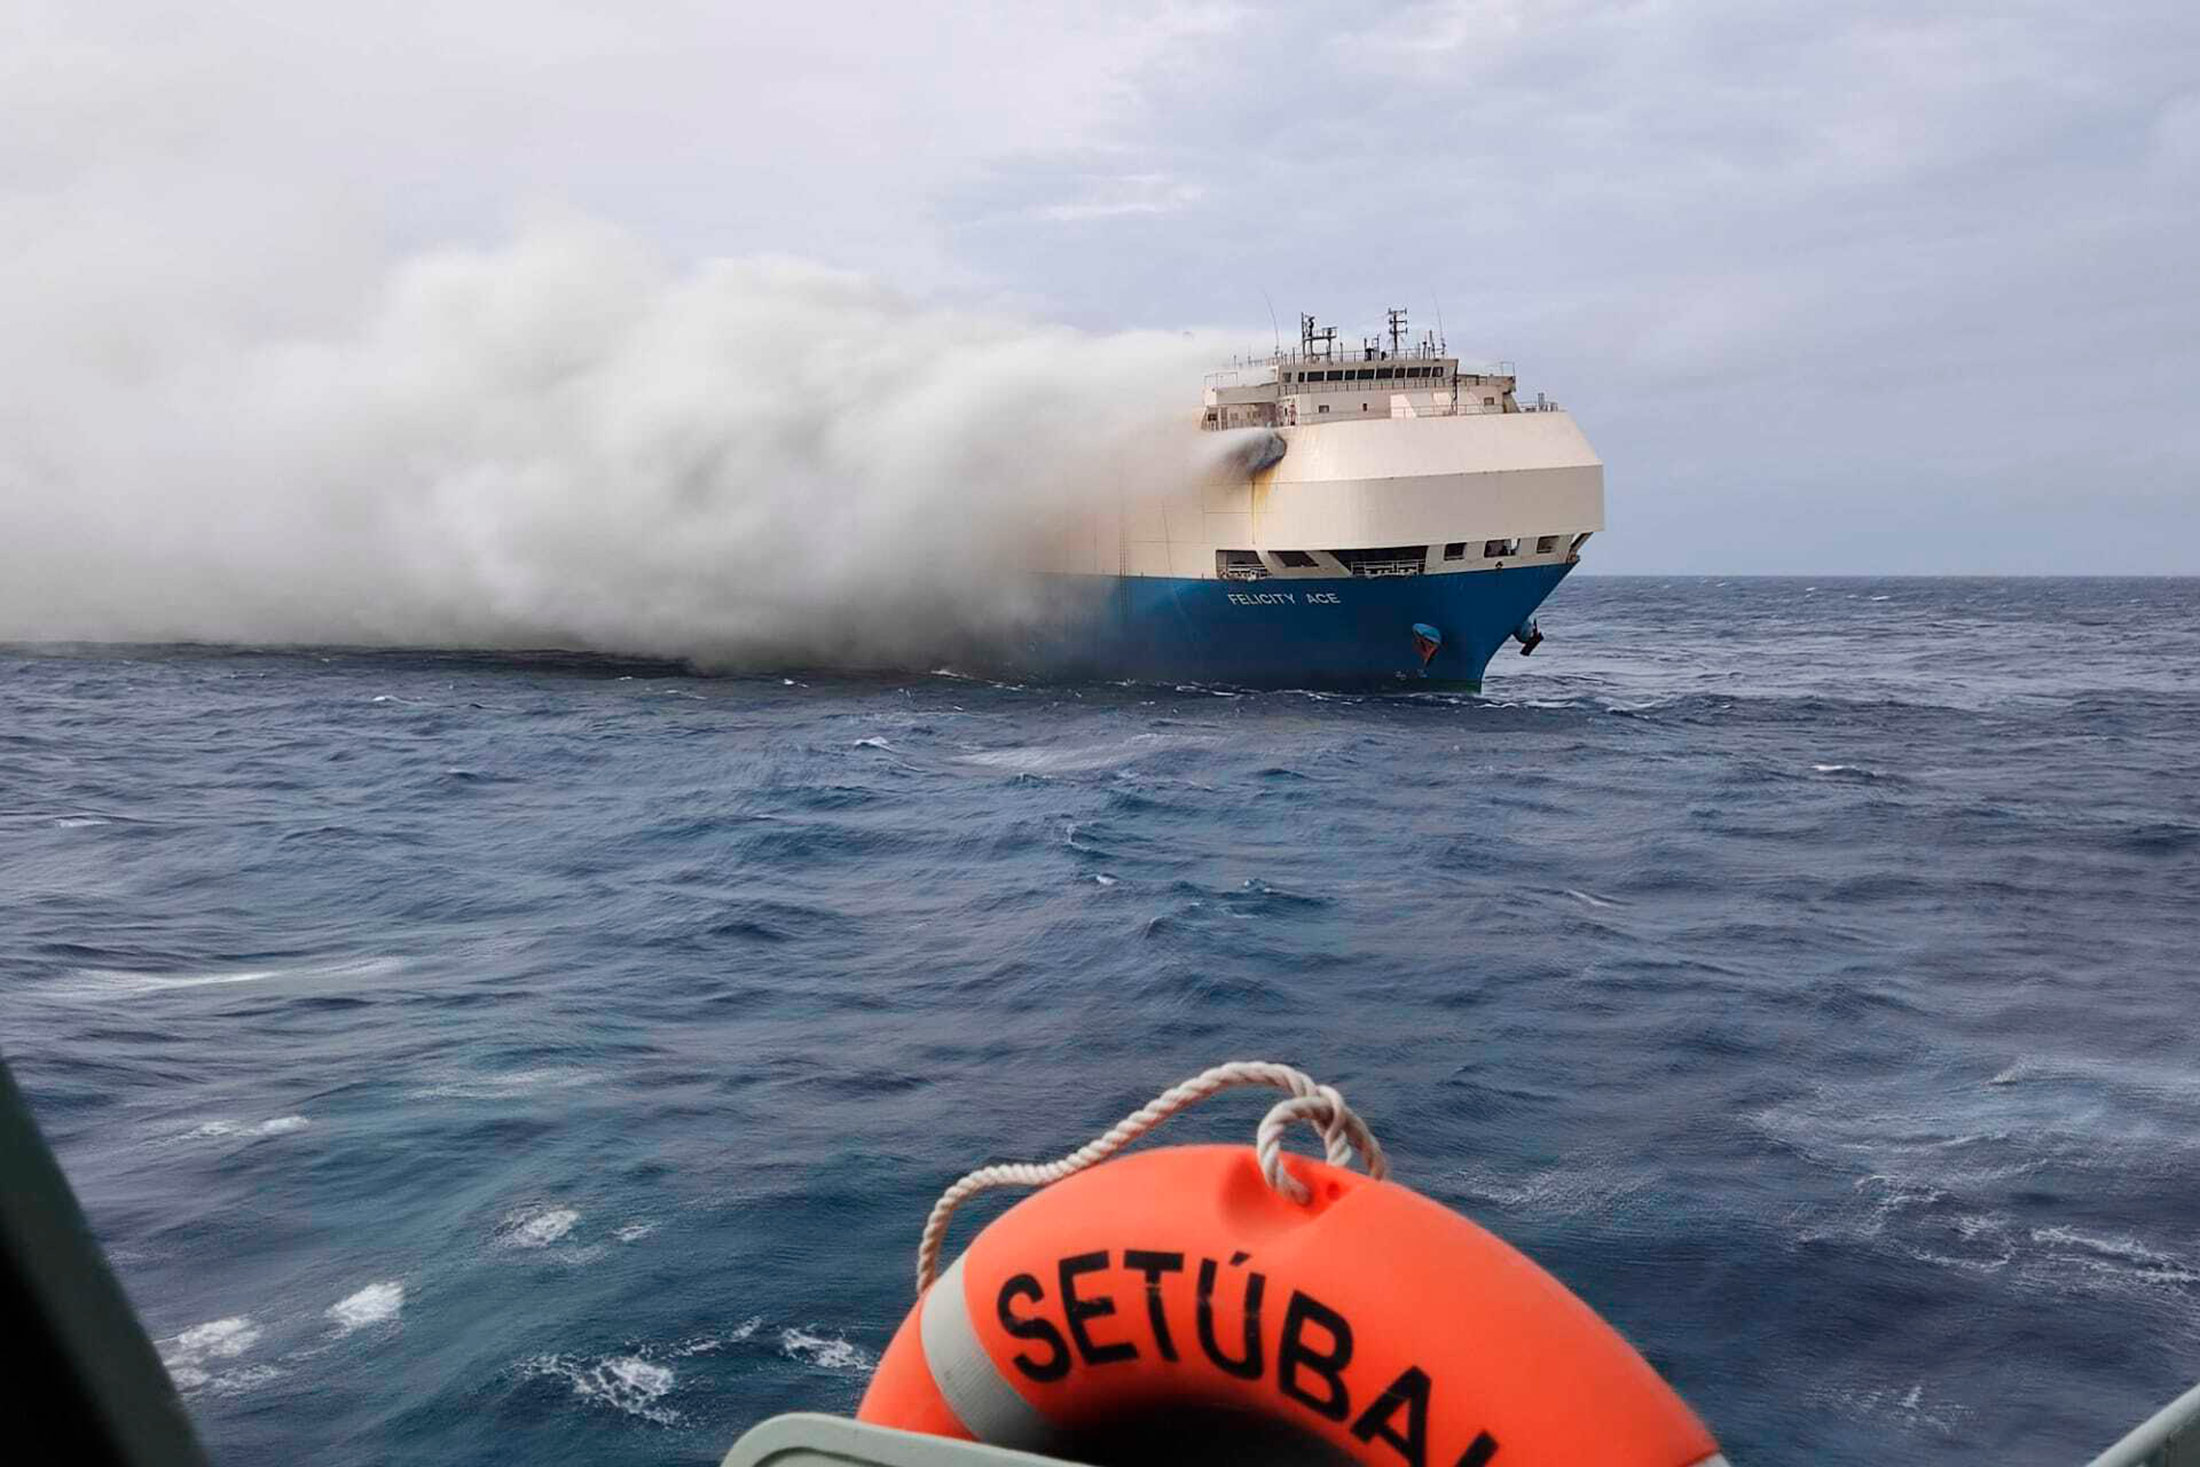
<point x="550" y="1059"/>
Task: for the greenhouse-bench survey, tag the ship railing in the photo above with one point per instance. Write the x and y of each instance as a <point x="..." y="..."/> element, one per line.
<point x="1272" y="415"/>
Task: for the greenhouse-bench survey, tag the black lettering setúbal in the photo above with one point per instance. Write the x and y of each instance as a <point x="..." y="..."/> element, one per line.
<point x="1247" y="1366"/>
<point x="1056" y="1363"/>
<point x="1078" y="1309"/>
<point x="1153" y="1266"/>
<point x="1296" y="1357"/>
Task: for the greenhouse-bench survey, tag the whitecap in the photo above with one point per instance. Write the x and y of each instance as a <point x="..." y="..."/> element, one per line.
<point x="79" y="822"/>
<point x="626" y="1383"/>
<point x="235" y="1382"/>
<point x="634" y="1232"/>
<point x="825" y="1352"/>
<point x="277" y="1126"/>
<point x="1587" y="900"/>
<point x="538" y="1229"/>
<point x="507" y="1085"/>
<point x="374" y="1304"/>
<point x="217" y="1339"/>
<point x="193" y="1357"/>
<point x="873" y="743"/>
<point x="1103" y="879"/>
<point x="119" y="982"/>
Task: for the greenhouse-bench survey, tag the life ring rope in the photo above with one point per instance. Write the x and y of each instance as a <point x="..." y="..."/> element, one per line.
<point x="1343" y="1133"/>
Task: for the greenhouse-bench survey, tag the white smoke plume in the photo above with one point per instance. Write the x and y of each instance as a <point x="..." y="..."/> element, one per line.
<point x="568" y="443"/>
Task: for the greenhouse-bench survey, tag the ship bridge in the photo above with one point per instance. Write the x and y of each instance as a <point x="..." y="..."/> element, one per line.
<point x="1388" y="376"/>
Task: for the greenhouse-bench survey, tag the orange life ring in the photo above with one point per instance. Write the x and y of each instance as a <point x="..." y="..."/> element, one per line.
<point x="1176" y="1280"/>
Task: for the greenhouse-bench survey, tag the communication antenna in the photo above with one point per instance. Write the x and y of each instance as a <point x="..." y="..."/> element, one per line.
<point x="1397" y="316"/>
<point x="1273" y="325"/>
<point x="1441" y="345"/>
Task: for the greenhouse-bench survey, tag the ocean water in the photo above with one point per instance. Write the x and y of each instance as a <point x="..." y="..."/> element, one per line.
<point x="551" y="1059"/>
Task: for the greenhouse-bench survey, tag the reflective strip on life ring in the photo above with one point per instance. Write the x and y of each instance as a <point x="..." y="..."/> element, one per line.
<point x="1370" y="1317"/>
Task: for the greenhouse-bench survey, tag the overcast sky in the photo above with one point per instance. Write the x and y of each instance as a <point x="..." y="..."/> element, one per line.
<point x="1862" y="287"/>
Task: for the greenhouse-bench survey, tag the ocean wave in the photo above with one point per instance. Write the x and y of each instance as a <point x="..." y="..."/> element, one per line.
<point x="374" y="1304"/>
<point x="537" y="1229"/>
<point x="826" y="1352"/>
<point x="195" y="1358"/>
<point x="276" y="1126"/>
<point x="508" y="1085"/>
<point x="627" y="1384"/>
<point x="123" y="983"/>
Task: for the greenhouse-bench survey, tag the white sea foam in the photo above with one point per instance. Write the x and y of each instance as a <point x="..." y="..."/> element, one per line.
<point x="1082" y="758"/>
<point x="194" y="1357"/>
<point x="374" y="1304"/>
<point x="634" y="1232"/>
<point x="236" y="1382"/>
<point x="1592" y="901"/>
<point x="218" y="1339"/>
<point x="507" y="1085"/>
<point x="79" y="822"/>
<point x="277" y="1126"/>
<point x="626" y="1383"/>
<point x="538" y="1229"/>
<point x="873" y="743"/>
<point x="827" y="1352"/>
<point x="118" y="982"/>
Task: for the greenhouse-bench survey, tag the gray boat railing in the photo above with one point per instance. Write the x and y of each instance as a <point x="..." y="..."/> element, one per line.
<point x="2168" y="1438"/>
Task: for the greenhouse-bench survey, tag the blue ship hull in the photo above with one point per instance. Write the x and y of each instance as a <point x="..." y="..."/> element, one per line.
<point x="1325" y="633"/>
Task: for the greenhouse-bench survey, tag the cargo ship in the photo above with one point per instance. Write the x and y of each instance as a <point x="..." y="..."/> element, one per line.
<point x="1388" y="516"/>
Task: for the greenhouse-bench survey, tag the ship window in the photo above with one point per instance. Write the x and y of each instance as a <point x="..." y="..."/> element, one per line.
<point x="1456" y="550"/>
<point x="1386" y="374"/>
<point x="1239" y="565"/>
<point x="1390" y="560"/>
<point x="1545" y="544"/>
<point x="1323" y="408"/>
<point x="1297" y="559"/>
<point x="1336" y="376"/>
<point x="1367" y="374"/>
<point x="1493" y="549"/>
<point x="1489" y="402"/>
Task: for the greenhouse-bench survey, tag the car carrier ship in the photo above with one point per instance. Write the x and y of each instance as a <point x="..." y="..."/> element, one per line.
<point x="1390" y="515"/>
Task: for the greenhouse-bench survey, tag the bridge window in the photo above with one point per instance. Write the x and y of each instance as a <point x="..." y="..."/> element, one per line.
<point x="1335" y="376"/>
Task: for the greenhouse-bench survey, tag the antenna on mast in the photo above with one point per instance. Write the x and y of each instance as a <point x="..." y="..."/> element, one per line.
<point x="1397" y="315"/>
<point x="1272" y="323"/>
<point x="1441" y="344"/>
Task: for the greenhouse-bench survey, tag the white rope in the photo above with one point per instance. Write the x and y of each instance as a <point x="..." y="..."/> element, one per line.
<point x="1342" y="1131"/>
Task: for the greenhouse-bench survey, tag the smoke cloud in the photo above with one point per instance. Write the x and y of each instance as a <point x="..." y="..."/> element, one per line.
<point x="566" y="442"/>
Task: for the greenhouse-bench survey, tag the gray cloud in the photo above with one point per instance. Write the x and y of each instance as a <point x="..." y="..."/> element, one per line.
<point x="1833" y="288"/>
